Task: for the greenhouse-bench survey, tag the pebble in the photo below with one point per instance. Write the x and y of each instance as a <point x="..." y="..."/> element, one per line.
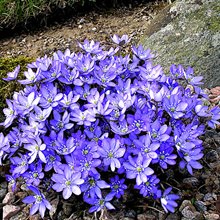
<point x="67" y="209"/>
<point x="9" y="198"/>
<point x="54" y="204"/>
<point x="173" y="216"/>
<point x="80" y="26"/>
<point x="9" y="211"/>
<point x="146" y="217"/>
<point x="130" y="213"/>
<point x="212" y="217"/>
<point x="208" y="197"/>
<point x="94" y="29"/>
<point x="184" y="204"/>
<point x="190" y="212"/>
<point x="3" y="190"/>
<point x="191" y="181"/>
<point x="200" y="206"/>
<point x="212" y="156"/>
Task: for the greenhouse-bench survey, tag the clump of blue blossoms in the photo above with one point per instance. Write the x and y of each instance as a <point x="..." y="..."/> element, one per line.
<point x="94" y="121"/>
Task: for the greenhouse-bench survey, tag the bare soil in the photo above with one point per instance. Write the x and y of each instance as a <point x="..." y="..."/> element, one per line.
<point x="98" y="26"/>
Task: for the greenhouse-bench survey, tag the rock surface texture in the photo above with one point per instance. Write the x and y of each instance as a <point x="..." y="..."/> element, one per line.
<point x="188" y="33"/>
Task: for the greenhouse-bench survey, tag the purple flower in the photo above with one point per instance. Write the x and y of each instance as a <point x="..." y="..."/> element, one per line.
<point x="39" y="200"/>
<point x="34" y="175"/>
<point x="120" y="40"/>
<point x="215" y="117"/>
<point x="141" y="53"/>
<point x="99" y="203"/>
<point x="90" y="47"/>
<point x="190" y="159"/>
<point x="117" y="186"/>
<point x="24" y="104"/>
<point x="4" y="147"/>
<point x="36" y="147"/>
<point x="138" y="168"/>
<point x="110" y="151"/>
<point x="20" y="163"/>
<point x="174" y="105"/>
<point x="168" y="200"/>
<point x="139" y="122"/>
<point x="10" y="113"/>
<point x="82" y="117"/>
<point x="67" y="181"/>
<point x="165" y="156"/>
<point x="50" y="96"/>
<point x="159" y="132"/>
<point x="61" y="123"/>
<point x="147" y="148"/>
<point x="150" y="187"/>
<point x="12" y="75"/>
<point x="93" y="185"/>
<point x="64" y="146"/>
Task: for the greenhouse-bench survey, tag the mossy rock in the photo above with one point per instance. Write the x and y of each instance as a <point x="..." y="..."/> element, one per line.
<point x="7" y="88"/>
<point x="190" y="37"/>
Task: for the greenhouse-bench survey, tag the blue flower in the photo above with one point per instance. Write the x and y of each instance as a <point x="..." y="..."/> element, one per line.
<point x="67" y="181"/>
<point x="138" y="168"/>
<point x="12" y="75"/>
<point x="168" y="200"/>
<point x="99" y="203"/>
<point x="39" y="200"/>
<point x="117" y="186"/>
<point x="110" y="151"/>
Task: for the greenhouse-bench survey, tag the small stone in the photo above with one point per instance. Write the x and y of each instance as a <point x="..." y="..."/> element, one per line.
<point x="6" y="43"/>
<point x="173" y="216"/>
<point x="200" y="206"/>
<point x="189" y="212"/>
<point x="9" y="211"/>
<point x="130" y="213"/>
<point x="94" y="29"/>
<point x="212" y="216"/>
<point x="208" y="197"/>
<point x="191" y="181"/>
<point x="80" y="26"/>
<point x="81" y="21"/>
<point x="184" y="204"/>
<point x="146" y="217"/>
<point x="3" y="190"/>
<point x="67" y="209"/>
<point x="9" y="198"/>
<point x="35" y="217"/>
<point x="212" y="156"/>
<point x="54" y="204"/>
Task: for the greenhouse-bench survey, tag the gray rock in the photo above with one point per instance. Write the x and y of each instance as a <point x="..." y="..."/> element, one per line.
<point x="146" y="217"/>
<point x="212" y="216"/>
<point x="208" y="197"/>
<point x="54" y="204"/>
<point x="9" y="198"/>
<point x="200" y="206"/>
<point x="173" y="216"/>
<point x="3" y="190"/>
<point x="212" y="156"/>
<point x="189" y="35"/>
<point x="191" y="182"/>
<point x="184" y="204"/>
<point x="9" y="211"/>
<point x="130" y="213"/>
<point x="190" y="212"/>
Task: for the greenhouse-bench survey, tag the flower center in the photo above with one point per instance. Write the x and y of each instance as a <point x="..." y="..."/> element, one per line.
<point x="38" y="198"/>
<point x="68" y="183"/>
<point x="139" y="169"/>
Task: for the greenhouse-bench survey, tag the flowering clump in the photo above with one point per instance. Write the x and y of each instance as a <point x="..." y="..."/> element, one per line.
<point x="94" y="121"/>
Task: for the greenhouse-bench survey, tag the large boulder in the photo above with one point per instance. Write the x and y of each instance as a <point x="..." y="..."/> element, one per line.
<point x="187" y="32"/>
